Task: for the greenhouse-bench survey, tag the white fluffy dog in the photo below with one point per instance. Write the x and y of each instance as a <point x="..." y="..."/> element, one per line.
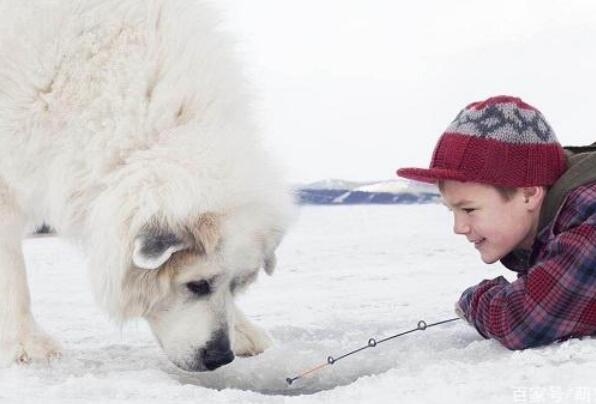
<point x="125" y="125"/>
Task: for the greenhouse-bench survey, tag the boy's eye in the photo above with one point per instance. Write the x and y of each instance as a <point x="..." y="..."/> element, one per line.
<point x="468" y="210"/>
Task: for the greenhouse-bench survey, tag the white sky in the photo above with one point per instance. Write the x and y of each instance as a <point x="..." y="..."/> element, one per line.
<point x="354" y="89"/>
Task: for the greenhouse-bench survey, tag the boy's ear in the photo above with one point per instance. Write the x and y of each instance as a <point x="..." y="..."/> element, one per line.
<point x="533" y="196"/>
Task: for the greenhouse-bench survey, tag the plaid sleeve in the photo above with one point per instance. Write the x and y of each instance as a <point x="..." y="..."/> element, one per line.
<point x="555" y="300"/>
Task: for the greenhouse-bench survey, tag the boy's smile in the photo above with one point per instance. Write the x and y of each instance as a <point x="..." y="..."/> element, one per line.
<point x="496" y="225"/>
<point x="519" y="197"/>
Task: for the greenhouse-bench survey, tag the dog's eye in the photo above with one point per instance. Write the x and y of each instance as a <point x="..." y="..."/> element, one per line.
<point x="199" y="288"/>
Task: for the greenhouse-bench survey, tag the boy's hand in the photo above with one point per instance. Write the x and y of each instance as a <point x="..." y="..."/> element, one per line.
<point x="460" y="312"/>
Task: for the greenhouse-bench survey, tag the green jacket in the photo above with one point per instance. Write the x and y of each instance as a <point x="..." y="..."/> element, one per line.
<point x="581" y="170"/>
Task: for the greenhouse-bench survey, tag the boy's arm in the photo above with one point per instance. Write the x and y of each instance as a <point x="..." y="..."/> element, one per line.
<point x="556" y="299"/>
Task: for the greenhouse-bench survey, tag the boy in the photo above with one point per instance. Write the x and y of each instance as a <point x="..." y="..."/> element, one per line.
<point x="520" y="199"/>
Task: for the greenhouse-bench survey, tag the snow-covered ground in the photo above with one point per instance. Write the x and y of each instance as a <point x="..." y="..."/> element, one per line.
<point x="346" y="273"/>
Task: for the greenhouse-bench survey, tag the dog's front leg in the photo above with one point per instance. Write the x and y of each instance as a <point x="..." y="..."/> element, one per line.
<point x="249" y="339"/>
<point x="21" y="339"/>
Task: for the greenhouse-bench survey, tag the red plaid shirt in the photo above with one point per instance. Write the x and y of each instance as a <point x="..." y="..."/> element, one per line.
<point x="554" y="296"/>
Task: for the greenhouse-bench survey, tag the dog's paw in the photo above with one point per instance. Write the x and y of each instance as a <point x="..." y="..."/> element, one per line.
<point x="29" y="347"/>
<point x="38" y="346"/>
<point x="249" y="339"/>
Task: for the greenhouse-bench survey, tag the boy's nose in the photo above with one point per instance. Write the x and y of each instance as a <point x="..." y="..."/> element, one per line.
<point x="460" y="226"/>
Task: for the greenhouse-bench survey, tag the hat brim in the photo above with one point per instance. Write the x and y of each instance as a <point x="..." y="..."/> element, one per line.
<point x="431" y="175"/>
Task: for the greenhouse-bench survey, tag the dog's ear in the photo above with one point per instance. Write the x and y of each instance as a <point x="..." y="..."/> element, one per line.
<point x="206" y="233"/>
<point x="270" y="263"/>
<point x="270" y="244"/>
<point x="154" y="246"/>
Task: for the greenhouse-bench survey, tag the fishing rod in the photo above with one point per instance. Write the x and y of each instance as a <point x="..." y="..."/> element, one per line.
<point x="372" y="342"/>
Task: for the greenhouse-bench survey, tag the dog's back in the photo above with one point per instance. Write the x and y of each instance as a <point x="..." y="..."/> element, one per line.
<point x="85" y="86"/>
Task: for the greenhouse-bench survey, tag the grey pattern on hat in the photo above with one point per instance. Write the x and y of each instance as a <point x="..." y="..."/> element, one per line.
<point x="505" y="122"/>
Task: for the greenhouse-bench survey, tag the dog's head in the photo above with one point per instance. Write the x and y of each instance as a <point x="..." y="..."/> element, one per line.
<point x="183" y="280"/>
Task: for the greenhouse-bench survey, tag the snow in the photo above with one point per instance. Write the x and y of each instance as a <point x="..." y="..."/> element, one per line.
<point x="397" y="186"/>
<point x="345" y="274"/>
<point x="342" y="197"/>
<point x="385" y="186"/>
<point x="332" y="183"/>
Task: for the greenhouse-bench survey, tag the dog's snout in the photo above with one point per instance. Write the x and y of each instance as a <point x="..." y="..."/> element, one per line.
<point x="213" y="360"/>
<point x="217" y="352"/>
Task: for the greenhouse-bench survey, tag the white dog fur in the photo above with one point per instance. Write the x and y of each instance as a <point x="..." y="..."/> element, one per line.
<point x="126" y="125"/>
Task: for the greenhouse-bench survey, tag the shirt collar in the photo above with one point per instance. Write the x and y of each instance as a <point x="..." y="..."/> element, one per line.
<point x="517" y="260"/>
<point x="521" y="260"/>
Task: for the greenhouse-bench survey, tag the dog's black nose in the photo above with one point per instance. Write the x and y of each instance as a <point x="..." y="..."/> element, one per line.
<point x="213" y="360"/>
<point x="217" y="352"/>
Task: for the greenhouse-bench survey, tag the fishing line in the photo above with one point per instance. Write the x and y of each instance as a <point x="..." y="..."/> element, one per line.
<point x="372" y="343"/>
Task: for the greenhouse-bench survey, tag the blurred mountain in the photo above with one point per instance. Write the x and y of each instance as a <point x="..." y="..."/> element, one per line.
<point x="341" y="192"/>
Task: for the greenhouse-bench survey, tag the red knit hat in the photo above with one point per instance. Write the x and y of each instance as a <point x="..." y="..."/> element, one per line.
<point x="500" y="141"/>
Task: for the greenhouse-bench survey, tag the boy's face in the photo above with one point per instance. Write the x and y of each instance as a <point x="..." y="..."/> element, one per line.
<point x="495" y="225"/>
